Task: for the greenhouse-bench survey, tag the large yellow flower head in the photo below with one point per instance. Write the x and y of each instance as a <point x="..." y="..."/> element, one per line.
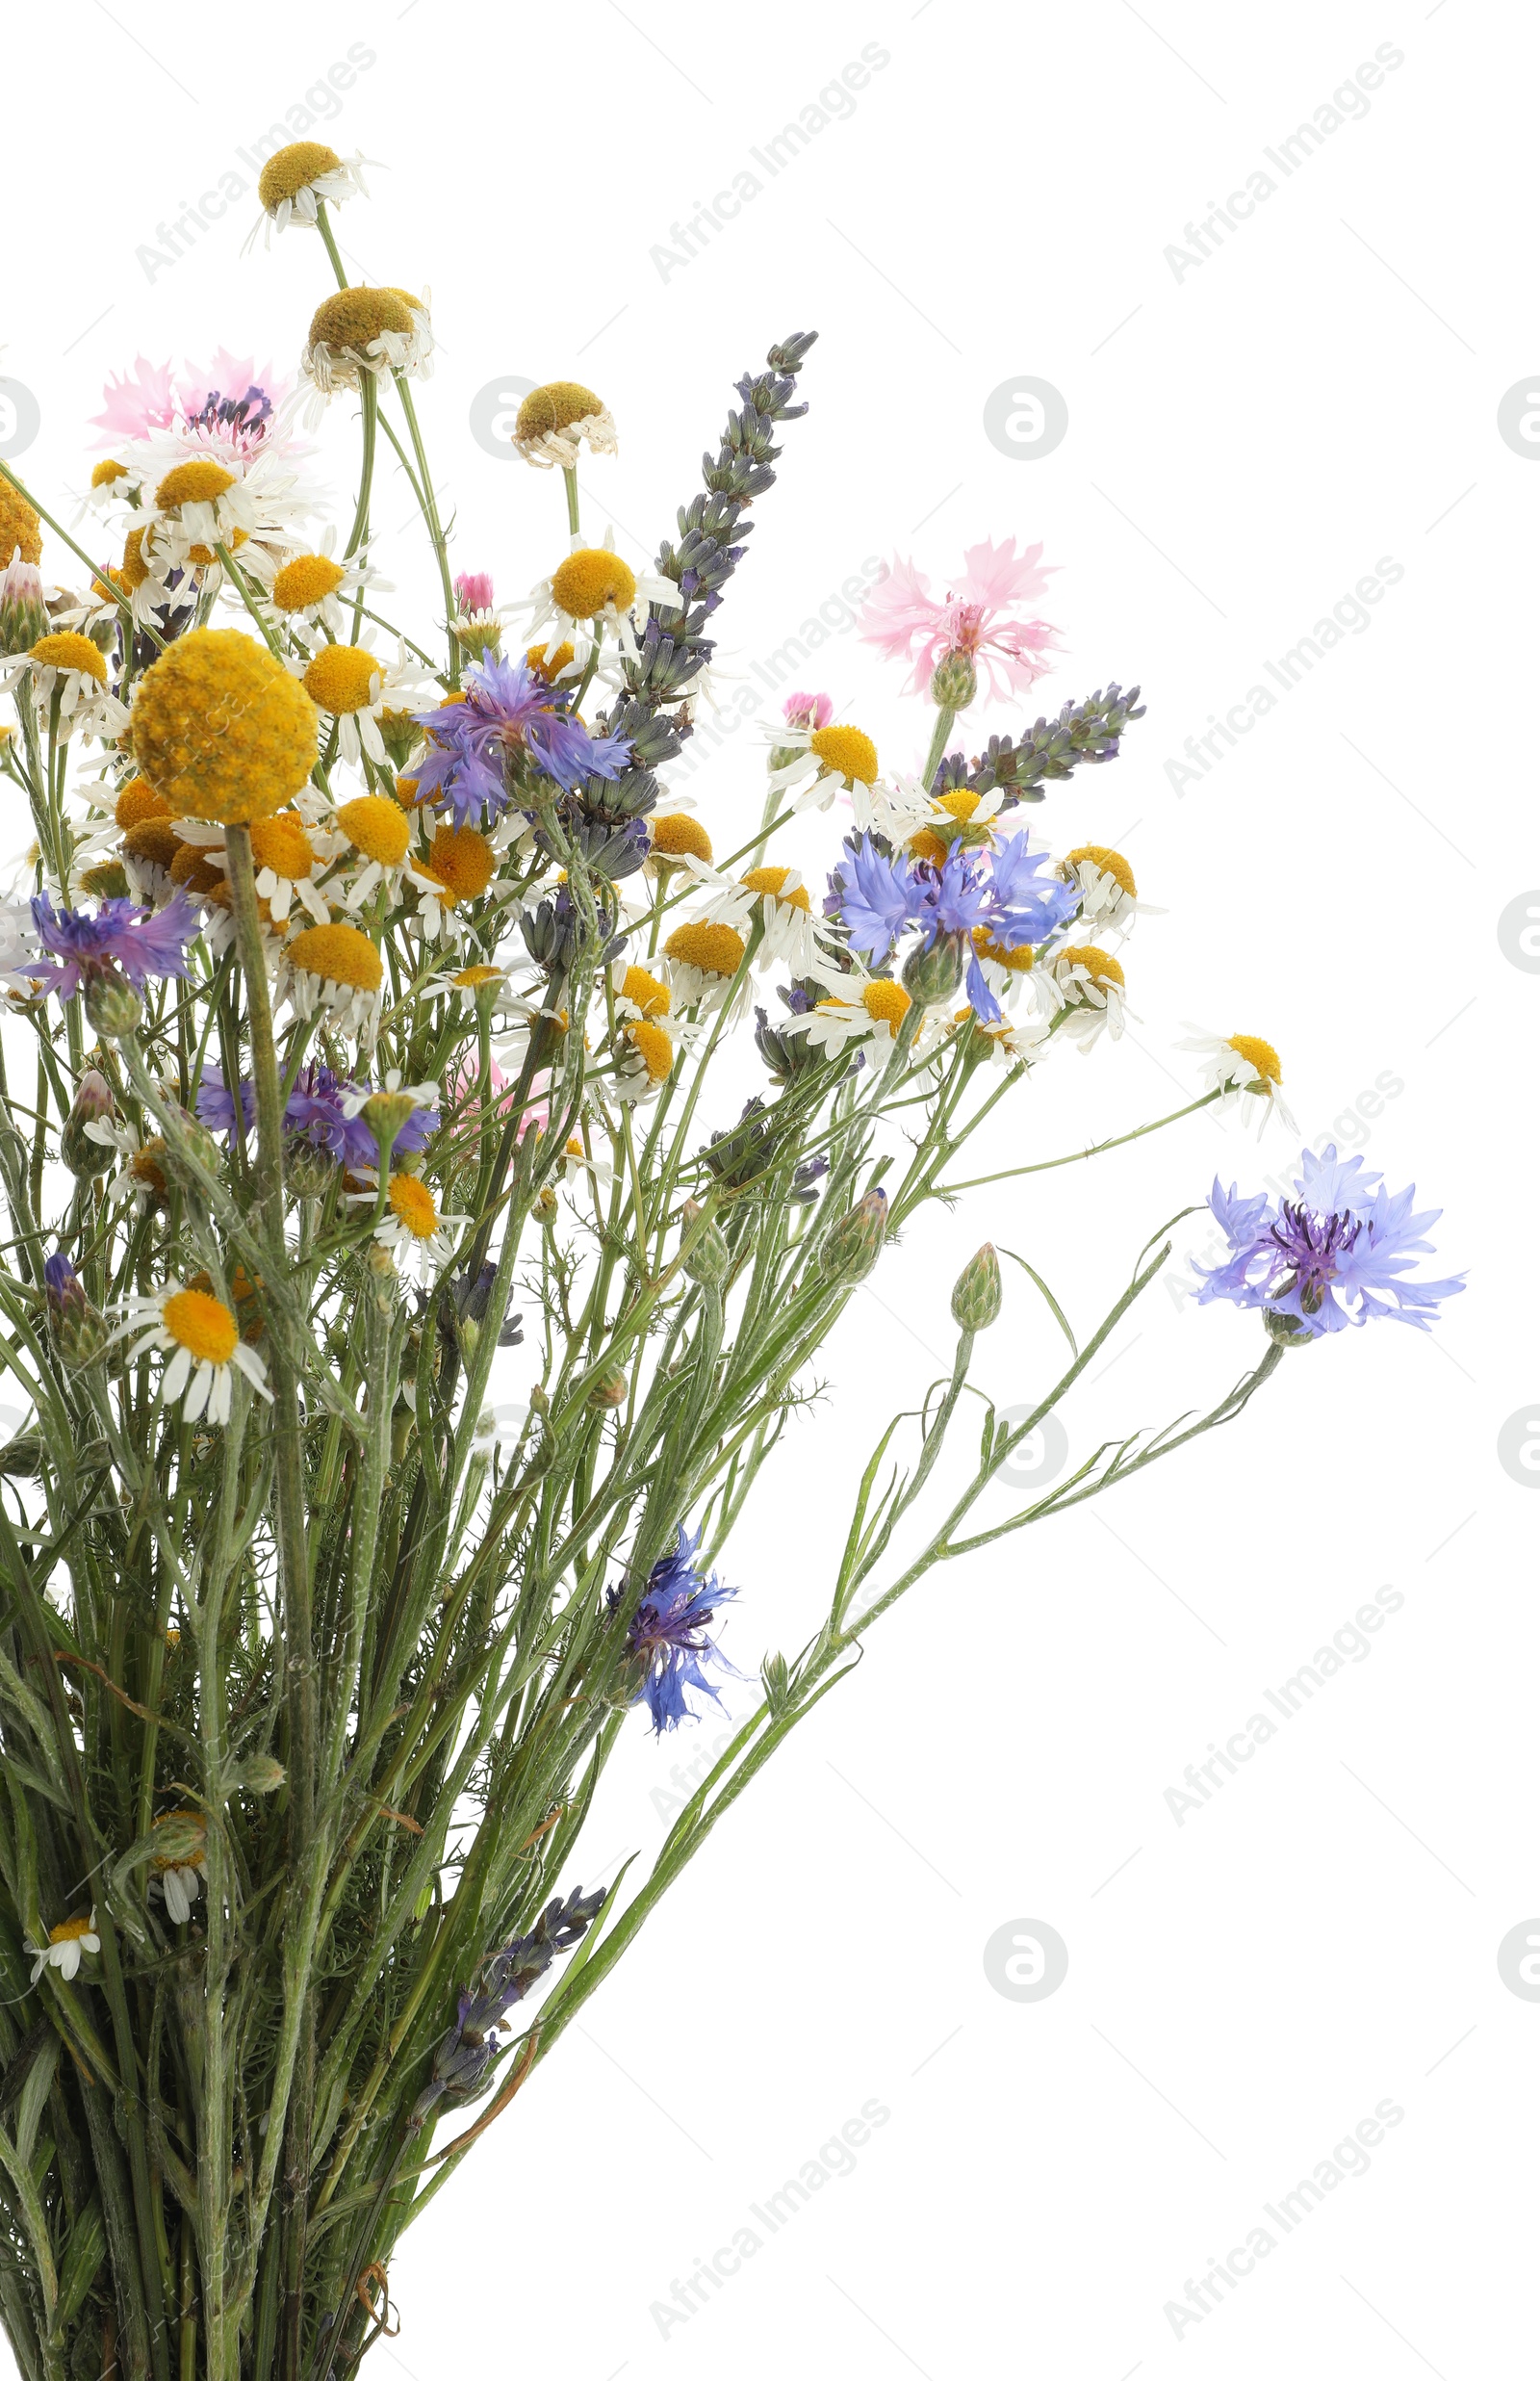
<point x="554" y="421"/>
<point x="590" y="580"/>
<point x="221" y="730"/>
<point x="350" y="321"/>
<point x="716" y="951"/>
<point x="377" y="828"/>
<point x="338" y="955"/>
<point x="20" y="526"/>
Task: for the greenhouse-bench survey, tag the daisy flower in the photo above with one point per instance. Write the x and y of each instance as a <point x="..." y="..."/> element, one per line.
<point x="827" y="760"/>
<point x="703" y="960"/>
<point x="467" y="985"/>
<point x="1241" y="1067"/>
<point x="362" y="329"/>
<point x="338" y="969"/>
<point x="67" y="668"/>
<point x="354" y="687"/>
<point x="141" y="1178"/>
<point x="1108" y="894"/>
<point x="412" y="1229"/>
<point x="285" y="854"/>
<point x="64" y="1947"/>
<point x="975" y="621"/>
<point x="863" y="1008"/>
<point x="578" y="1166"/>
<point x="203" y="1340"/>
<point x="792" y="936"/>
<point x="1088" y="985"/>
<point x="556" y="421"/>
<point x="179" y="1881"/>
<point x="297" y="181"/>
<point x="593" y="591"/>
<point x="314" y="589"/>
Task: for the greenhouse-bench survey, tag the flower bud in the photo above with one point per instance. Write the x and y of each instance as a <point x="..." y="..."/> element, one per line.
<point x="611" y="1388"/>
<point x="260" y="1774"/>
<point x="403" y="1425"/>
<point x="385" y="1113"/>
<point x="310" y="1169"/>
<point x="975" y="1294"/>
<point x="23" y="613"/>
<point x="777" y="1682"/>
<point x="785" y="1054"/>
<point x="194" y="1142"/>
<point x="932" y="972"/>
<point x="112" y="1004"/>
<point x="80" y="1331"/>
<point x="711" y="1260"/>
<point x="92" y="1102"/>
<point x="852" y="1246"/>
<point x="954" y="682"/>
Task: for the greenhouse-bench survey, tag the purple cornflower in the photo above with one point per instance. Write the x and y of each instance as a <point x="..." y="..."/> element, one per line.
<point x="141" y="942"/>
<point x="509" y="709"/>
<point x="667" y="1632"/>
<point x="1338" y="1254"/>
<point x="216" y="1101"/>
<point x="1000" y="894"/>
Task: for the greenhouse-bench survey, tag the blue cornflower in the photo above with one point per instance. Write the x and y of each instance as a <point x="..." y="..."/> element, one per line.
<point x="667" y="1632"/>
<point x="509" y="707"/>
<point x="1000" y="895"/>
<point x="323" y="1107"/>
<point x="216" y="1101"/>
<point x="1338" y="1254"/>
<point x="141" y="942"/>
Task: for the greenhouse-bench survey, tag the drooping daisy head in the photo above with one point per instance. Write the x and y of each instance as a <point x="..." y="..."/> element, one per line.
<point x="555" y="420"/>
<point x="823" y="757"/>
<point x="68" y="677"/>
<point x="1246" y="1072"/>
<point x="413" y="1230"/>
<point x="64" y="1947"/>
<point x="297" y="181"/>
<point x="364" y="330"/>
<point x="336" y="968"/>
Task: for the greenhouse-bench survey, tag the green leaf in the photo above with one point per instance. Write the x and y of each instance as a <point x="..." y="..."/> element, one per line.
<point x="81" y="2262"/>
<point x="1059" y="1314"/>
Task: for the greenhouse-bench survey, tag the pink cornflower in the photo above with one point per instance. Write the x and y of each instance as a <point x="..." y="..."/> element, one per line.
<point x="226" y="401"/>
<point x="907" y="623"/>
<point x="808" y="711"/>
<point x="473" y="590"/>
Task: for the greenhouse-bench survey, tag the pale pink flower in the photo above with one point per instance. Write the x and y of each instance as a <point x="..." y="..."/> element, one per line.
<point x="206" y="402"/>
<point x="473" y="590"/>
<point x="808" y="711"/>
<point x="136" y="403"/>
<point x="907" y="623"/>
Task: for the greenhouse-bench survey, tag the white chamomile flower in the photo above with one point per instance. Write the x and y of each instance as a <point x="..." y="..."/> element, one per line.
<point x="823" y="761"/>
<point x="297" y="181"/>
<point x="352" y="687"/>
<point x="594" y="590"/>
<point x="201" y="1334"/>
<point x="701" y="962"/>
<point x="314" y="589"/>
<point x="416" y="1235"/>
<point x="1246" y="1071"/>
<point x="286" y="854"/>
<point x="1108" y="894"/>
<point x="469" y="985"/>
<point x="578" y="1166"/>
<point x="64" y="1947"/>
<point x="335" y="967"/>
<point x="854" y="1007"/>
<point x="792" y="936"/>
<point x="362" y="330"/>
<point x="178" y="1880"/>
<point x="557" y="420"/>
<point x="1011" y="1041"/>
<point x="1087" y="984"/>
<point x="68" y="679"/>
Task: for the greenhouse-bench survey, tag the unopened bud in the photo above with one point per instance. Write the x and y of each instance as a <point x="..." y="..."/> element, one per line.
<point x="933" y="971"/>
<point x="611" y="1388"/>
<point x="954" y="682"/>
<point x="260" y="1774"/>
<point x="777" y="1682"/>
<point x="403" y="1425"/>
<point x="194" y="1142"/>
<point x="385" y="1112"/>
<point x="975" y="1294"/>
<point x="23" y="613"/>
<point x="112" y="1004"/>
<point x="309" y="1170"/>
<point x="852" y="1246"/>
<point x="92" y="1102"/>
<point x="79" y="1330"/>
<point x="711" y="1260"/>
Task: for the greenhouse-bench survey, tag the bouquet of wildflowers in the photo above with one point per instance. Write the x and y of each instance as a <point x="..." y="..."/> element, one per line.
<point x="363" y="984"/>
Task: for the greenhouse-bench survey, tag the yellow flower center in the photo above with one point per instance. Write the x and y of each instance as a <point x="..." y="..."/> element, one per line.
<point x="716" y="951"/>
<point x="886" y="1004"/>
<point x="189" y="867"/>
<point x="771" y="880"/>
<point x="281" y="843"/>
<point x="652" y="1046"/>
<point x="197" y="482"/>
<point x="591" y="578"/>
<point x="447" y="897"/>
<point x="138" y="801"/>
<point x="405" y="791"/>
<point x="555" y="407"/>
<point x="550" y="663"/>
<point x="65" y="650"/>
<point x="338" y="955"/>
<point x="135" y="570"/>
<point x="70" y="1931"/>
<point x="960" y="803"/>
<point x="677" y="831"/>
<point x="307" y="580"/>
<point x="1099" y="965"/>
<point x="20" y="526"/>
<point x="154" y="840"/>
<point x="1018" y="961"/>
<point x="464" y="859"/>
<point x="341" y="678"/>
<point x="376" y="828"/>
<point x="291" y="168"/>
<point x="1110" y="863"/>
<point x="221" y="730"/>
<point x="646" y="993"/>
<point x="413" y="1205"/>
<point x="108" y="473"/>
<point x="1261" y="1055"/>
<point x="355" y="318"/>
<point x="924" y="845"/>
<point x="846" y="752"/>
<point x="575" y="1148"/>
<point x="144" y="1167"/>
<point x="471" y="979"/>
<point x="202" y="1325"/>
<point x="206" y="554"/>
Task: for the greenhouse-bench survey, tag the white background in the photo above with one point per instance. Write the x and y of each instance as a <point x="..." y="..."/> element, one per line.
<point x="1248" y="438"/>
